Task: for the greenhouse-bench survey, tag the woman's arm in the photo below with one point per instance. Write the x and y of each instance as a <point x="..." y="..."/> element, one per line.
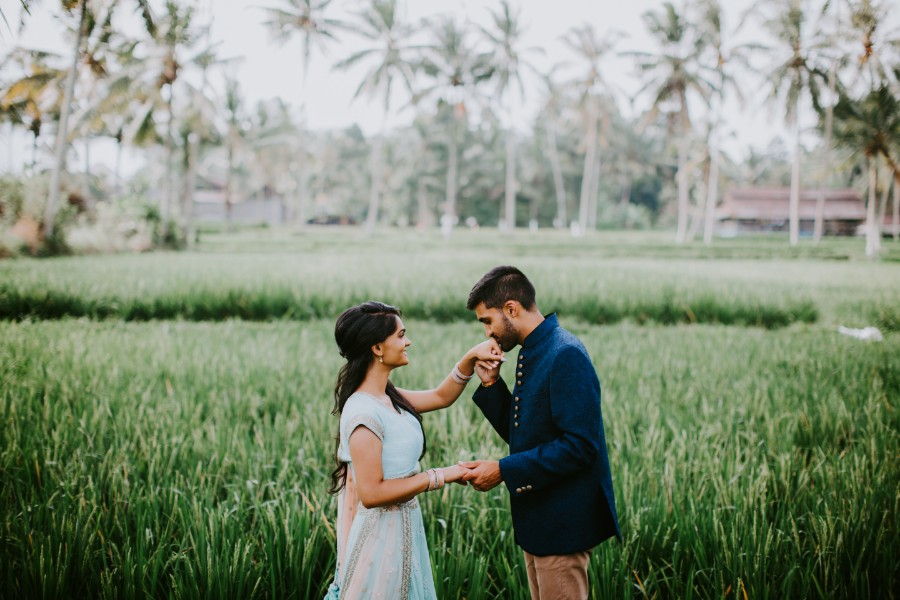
<point x="450" y="389"/>
<point x="371" y="486"/>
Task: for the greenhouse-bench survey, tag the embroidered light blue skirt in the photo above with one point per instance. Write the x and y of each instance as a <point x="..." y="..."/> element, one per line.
<point x="386" y="556"/>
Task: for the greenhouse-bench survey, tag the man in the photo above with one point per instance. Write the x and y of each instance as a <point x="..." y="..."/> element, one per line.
<point x="557" y="472"/>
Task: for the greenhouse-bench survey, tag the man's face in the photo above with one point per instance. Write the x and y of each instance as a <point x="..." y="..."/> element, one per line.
<point x="498" y="326"/>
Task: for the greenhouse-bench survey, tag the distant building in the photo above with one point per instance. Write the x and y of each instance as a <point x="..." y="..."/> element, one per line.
<point x="758" y="209"/>
<point x="210" y="206"/>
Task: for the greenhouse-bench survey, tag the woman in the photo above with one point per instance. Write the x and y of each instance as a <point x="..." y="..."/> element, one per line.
<point x="381" y="547"/>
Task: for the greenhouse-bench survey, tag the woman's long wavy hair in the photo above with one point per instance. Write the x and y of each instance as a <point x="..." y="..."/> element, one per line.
<point x="356" y="331"/>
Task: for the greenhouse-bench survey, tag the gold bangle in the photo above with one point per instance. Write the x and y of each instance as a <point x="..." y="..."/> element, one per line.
<point x="487" y="385"/>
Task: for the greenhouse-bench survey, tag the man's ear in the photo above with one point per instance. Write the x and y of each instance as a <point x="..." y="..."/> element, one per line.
<point x="511" y="308"/>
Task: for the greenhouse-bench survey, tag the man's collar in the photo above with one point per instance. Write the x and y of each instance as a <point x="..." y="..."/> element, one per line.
<point x="549" y="323"/>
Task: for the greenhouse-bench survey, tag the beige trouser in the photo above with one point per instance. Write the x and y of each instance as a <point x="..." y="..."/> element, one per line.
<point x="559" y="577"/>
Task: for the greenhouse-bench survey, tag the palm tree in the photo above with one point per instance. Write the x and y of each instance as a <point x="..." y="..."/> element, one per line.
<point x="592" y="88"/>
<point x="793" y="76"/>
<point x="87" y="19"/>
<point x="871" y="127"/>
<point x="865" y="28"/>
<point x="197" y="127"/>
<point x="26" y="10"/>
<point x="152" y="77"/>
<point x="670" y="75"/>
<point x="509" y="63"/>
<point x="552" y="107"/>
<point x="277" y="153"/>
<point x="29" y="100"/>
<point x="306" y="18"/>
<point x="872" y="55"/>
<point x="725" y="57"/>
<point x="234" y="138"/>
<point x="454" y="74"/>
<point x="380" y="25"/>
<point x="426" y="169"/>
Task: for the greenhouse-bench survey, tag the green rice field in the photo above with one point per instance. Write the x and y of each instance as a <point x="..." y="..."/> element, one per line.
<point x="167" y="429"/>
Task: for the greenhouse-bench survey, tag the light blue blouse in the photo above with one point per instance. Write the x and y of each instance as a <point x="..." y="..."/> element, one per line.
<point x="400" y="434"/>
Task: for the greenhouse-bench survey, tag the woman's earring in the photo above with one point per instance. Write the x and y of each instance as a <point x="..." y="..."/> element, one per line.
<point x="381" y="360"/>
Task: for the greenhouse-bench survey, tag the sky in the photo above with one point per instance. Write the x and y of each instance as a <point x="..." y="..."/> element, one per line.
<point x="268" y="70"/>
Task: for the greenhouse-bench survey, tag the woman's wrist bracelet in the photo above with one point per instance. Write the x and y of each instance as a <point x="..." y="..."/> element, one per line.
<point x="458" y="376"/>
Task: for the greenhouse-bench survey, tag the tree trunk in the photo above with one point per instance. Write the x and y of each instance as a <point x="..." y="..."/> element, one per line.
<point x="90" y="201"/>
<point x="681" y="231"/>
<point x="9" y="165"/>
<point x="117" y="177"/>
<point x="594" y="203"/>
<point x="882" y="206"/>
<point x="625" y="201"/>
<point x="819" y="226"/>
<point x="712" y="193"/>
<point x="302" y="180"/>
<point x="34" y="145"/>
<point x="509" y="222"/>
<point x="896" y="214"/>
<point x="696" y="208"/>
<point x="872" y="241"/>
<point x="895" y="169"/>
<point x="169" y="183"/>
<point x="794" y="205"/>
<point x="229" y="186"/>
<point x="62" y="133"/>
<point x="302" y="184"/>
<point x="374" y="190"/>
<point x="424" y="219"/>
<point x="190" y="184"/>
<point x="448" y="220"/>
<point x="587" y="175"/>
<point x="558" y="183"/>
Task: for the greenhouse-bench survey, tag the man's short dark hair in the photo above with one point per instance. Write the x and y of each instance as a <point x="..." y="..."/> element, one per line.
<point x="499" y="285"/>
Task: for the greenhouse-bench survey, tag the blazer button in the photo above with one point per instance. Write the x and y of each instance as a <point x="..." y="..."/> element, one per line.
<point x="519" y="374"/>
<point x="518" y="490"/>
<point x="517" y="407"/>
<point x="516" y="423"/>
<point x="528" y="487"/>
<point x="517" y="398"/>
<point x="519" y="382"/>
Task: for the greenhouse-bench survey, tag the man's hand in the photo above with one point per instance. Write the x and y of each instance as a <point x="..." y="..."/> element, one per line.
<point x="483" y="474"/>
<point x="488" y="371"/>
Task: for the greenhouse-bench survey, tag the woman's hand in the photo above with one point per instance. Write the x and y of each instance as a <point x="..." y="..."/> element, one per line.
<point x="487" y="353"/>
<point x="455" y="474"/>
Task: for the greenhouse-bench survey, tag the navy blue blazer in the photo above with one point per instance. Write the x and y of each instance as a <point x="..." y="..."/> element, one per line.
<point x="557" y="472"/>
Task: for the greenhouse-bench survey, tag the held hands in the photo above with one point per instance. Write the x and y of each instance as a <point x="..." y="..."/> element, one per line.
<point x="487" y="352"/>
<point x="484" y="474"/>
<point x="456" y="473"/>
<point x="485" y="358"/>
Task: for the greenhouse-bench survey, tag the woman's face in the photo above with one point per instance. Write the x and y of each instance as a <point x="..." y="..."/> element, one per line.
<point x="394" y="347"/>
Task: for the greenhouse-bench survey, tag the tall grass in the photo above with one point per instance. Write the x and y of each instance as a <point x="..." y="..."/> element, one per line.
<point x="595" y="280"/>
<point x="191" y="459"/>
